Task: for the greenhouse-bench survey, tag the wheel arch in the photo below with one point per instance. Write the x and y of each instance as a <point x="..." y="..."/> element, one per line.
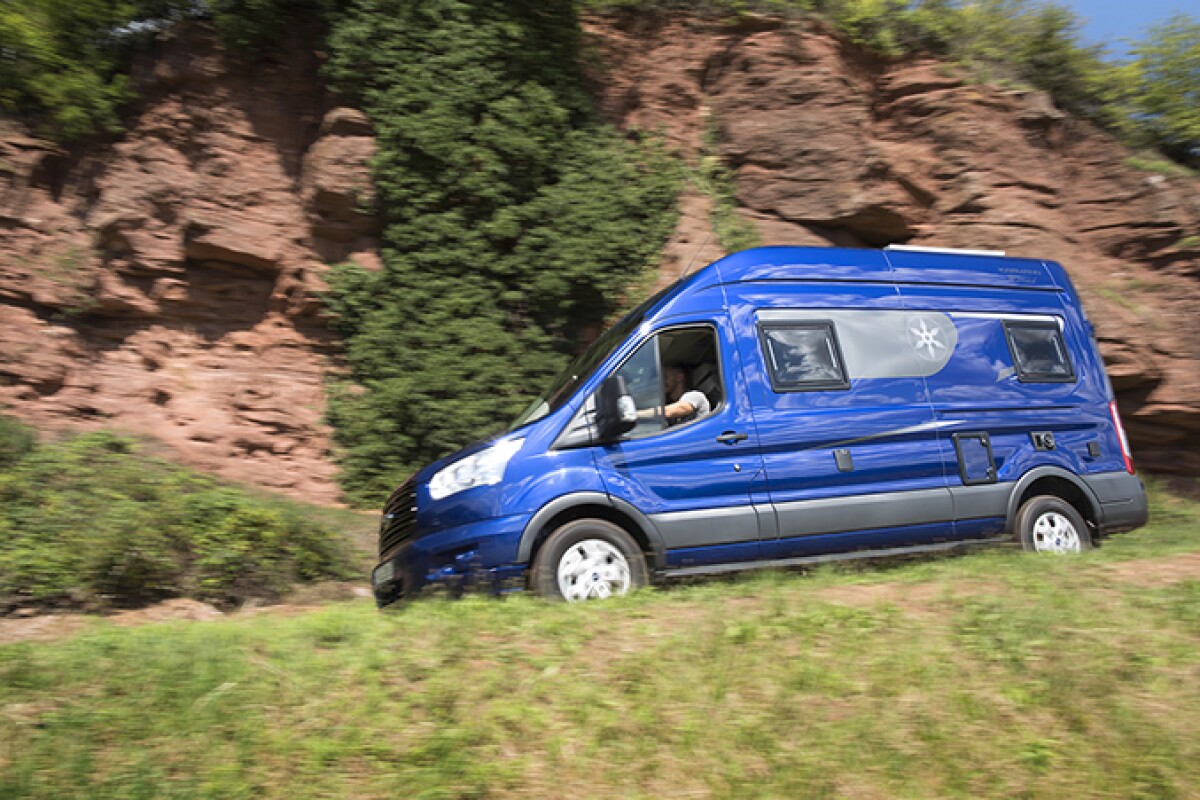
<point x="1059" y="483"/>
<point x="582" y="505"/>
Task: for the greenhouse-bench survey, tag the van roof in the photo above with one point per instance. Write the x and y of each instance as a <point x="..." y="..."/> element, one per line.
<point x="900" y="266"/>
<point x="833" y="264"/>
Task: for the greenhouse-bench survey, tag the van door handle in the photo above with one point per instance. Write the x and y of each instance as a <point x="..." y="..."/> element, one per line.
<point x="732" y="437"/>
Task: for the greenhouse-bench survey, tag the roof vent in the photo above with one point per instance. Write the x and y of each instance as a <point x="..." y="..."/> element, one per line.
<point x="907" y="248"/>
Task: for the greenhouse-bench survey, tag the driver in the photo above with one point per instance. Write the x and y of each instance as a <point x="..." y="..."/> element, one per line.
<point x="683" y="404"/>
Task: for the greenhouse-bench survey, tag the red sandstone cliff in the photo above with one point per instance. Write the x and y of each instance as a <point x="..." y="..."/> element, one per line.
<point x="166" y="284"/>
<point x="832" y="147"/>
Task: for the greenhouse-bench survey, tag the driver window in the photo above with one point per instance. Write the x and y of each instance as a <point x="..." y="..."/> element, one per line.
<point x="674" y="380"/>
<point x="643" y="380"/>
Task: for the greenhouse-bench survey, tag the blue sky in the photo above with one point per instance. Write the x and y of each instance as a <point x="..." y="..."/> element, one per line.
<point x="1110" y="20"/>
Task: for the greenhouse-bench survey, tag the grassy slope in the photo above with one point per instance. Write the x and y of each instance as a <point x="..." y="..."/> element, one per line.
<point x="994" y="674"/>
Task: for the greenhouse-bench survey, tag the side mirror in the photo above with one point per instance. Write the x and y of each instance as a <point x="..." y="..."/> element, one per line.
<point x="616" y="413"/>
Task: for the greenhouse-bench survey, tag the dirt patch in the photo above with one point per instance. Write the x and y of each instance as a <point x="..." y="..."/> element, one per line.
<point x="913" y="598"/>
<point x="42" y="628"/>
<point x="50" y="627"/>
<point x="53" y="627"/>
<point x="1157" y="571"/>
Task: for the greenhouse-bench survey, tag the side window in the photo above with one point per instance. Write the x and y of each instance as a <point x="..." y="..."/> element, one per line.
<point x="643" y="380"/>
<point x="803" y="356"/>
<point x="674" y="379"/>
<point x="1038" y="352"/>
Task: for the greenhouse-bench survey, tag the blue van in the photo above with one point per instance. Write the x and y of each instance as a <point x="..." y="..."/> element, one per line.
<point x="785" y="406"/>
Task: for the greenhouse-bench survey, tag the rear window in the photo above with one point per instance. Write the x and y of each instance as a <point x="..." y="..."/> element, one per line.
<point x="1038" y="352"/>
<point x="803" y="357"/>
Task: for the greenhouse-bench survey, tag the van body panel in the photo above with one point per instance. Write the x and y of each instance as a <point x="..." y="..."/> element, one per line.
<point x="979" y="502"/>
<point x="954" y="269"/>
<point x="866" y="402"/>
<point x="695" y="489"/>
<point x="538" y="524"/>
<point x="881" y="423"/>
<point x="805" y="264"/>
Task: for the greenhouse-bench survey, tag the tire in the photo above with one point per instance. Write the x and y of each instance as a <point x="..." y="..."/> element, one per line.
<point x="1049" y="524"/>
<point x="588" y="559"/>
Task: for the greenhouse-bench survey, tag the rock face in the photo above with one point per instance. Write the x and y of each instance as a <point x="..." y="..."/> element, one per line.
<point x="167" y="286"/>
<point x="831" y="146"/>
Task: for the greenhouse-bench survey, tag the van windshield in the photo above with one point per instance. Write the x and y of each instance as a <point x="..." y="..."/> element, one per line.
<point x="586" y="363"/>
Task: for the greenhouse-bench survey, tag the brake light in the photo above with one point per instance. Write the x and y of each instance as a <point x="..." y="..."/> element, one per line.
<point x="1116" y="418"/>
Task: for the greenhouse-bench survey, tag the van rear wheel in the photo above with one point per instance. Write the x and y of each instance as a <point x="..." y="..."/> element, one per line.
<point x="1049" y="524"/>
<point x="588" y="559"/>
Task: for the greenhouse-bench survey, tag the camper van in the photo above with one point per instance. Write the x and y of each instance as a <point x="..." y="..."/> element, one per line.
<point x="786" y="406"/>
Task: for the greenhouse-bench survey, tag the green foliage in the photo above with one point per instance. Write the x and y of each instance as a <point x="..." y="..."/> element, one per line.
<point x="64" y="65"/>
<point x="254" y="26"/>
<point x="90" y="521"/>
<point x="716" y="180"/>
<point x="16" y="440"/>
<point x="513" y="223"/>
<point x="56" y="61"/>
<point x="1167" y="93"/>
<point x="1160" y="166"/>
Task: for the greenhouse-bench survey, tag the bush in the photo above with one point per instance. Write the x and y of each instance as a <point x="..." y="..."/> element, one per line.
<point x="90" y="521"/>
<point x="15" y="440"/>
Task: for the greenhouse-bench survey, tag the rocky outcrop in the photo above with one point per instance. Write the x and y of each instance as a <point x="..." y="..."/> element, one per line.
<point x="831" y="146"/>
<point x="169" y="284"/>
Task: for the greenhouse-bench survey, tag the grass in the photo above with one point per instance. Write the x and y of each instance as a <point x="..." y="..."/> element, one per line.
<point x="990" y="675"/>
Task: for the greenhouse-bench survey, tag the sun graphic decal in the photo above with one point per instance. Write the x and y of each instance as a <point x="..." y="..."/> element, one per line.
<point x="927" y="339"/>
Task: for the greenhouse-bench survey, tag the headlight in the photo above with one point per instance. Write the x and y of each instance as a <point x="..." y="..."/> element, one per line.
<point x="484" y="468"/>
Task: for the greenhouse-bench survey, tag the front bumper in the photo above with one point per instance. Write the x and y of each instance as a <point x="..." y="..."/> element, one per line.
<point x="480" y="554"/>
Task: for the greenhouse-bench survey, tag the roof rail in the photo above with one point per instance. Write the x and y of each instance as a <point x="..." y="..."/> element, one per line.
<point x="907" y="248"/>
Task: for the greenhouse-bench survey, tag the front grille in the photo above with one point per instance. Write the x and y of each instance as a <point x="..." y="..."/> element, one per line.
<point x="399" y="517"/>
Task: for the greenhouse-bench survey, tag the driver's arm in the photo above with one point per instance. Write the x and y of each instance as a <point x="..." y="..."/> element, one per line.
<point x="679" y="409"/>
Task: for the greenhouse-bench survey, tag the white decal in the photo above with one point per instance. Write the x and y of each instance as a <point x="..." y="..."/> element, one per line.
<point x="927" y="339"/>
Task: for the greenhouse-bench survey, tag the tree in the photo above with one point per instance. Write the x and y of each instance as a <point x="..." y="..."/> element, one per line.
<point x="511" y="220"/>
<point x="1167" y="98"/>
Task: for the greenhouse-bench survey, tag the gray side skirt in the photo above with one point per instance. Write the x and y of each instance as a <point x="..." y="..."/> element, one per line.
<point x="708" y="526"/>
<point x="860" y="512"/>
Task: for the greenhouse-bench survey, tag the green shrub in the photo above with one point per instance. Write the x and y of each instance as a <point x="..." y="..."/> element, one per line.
<point x="91" y="521"/>
<point x="15" y="440"/>
<point x="64" y="65"/>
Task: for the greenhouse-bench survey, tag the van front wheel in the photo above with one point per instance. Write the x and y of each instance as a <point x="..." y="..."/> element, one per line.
<point x="1049" y="524"/>
<point x="588" y="559"/>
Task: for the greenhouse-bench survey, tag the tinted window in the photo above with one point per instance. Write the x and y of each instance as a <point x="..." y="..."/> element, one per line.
<point x="643" y="381"/>
<point x="804" y="357"/>
<point x="1038" y="352"/>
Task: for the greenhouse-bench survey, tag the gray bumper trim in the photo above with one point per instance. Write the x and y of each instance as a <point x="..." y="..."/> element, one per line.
<point x="1122" y="501"/>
